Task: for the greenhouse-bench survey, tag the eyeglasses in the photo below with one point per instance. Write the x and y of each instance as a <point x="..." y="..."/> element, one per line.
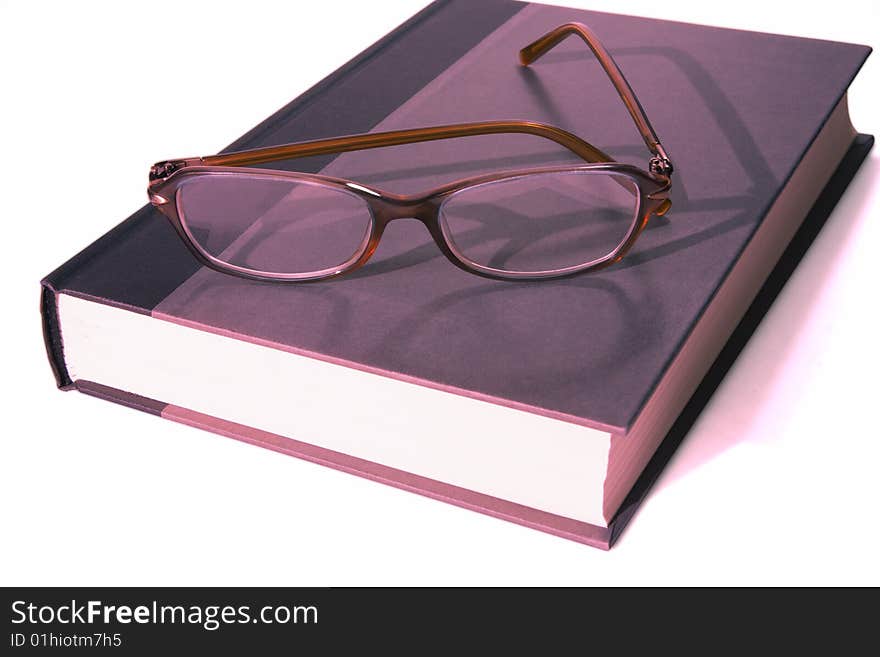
<point x="533" y="224"/>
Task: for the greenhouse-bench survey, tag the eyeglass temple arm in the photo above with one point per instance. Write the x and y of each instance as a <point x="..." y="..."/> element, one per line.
<point x="570" y="141"/>
<point x="660" y="163"/>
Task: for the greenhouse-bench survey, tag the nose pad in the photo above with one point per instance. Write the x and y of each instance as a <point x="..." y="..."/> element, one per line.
<point x="663" y="208"/>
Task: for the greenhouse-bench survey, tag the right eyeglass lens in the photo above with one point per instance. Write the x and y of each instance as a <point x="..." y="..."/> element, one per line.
<point x="274" y="225"/>
<point x="541" y="223"/>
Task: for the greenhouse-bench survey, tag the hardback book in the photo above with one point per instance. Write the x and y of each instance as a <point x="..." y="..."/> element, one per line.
<point x="554" y="404"/>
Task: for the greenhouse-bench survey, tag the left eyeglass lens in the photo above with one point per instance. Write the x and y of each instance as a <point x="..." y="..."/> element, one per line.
<point x="542" y="223"/>
<point x="274" y="225"/>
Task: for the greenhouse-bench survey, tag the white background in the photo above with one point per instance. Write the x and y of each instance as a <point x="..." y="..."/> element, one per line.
<point x="776" y="483"/>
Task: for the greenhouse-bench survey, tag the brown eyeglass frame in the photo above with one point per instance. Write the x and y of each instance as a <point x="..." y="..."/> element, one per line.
<point x="653" y="184"/>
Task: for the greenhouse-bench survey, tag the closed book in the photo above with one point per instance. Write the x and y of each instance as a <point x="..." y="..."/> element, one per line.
<point x="554" y="404"/>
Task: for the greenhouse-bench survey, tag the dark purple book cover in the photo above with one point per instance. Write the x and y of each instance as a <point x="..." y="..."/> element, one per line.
<point x="736" y="111"/>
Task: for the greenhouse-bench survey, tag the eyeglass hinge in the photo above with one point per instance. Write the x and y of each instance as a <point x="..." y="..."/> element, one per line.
<point x="660" y="163"/>
<point x="161" y="170"/>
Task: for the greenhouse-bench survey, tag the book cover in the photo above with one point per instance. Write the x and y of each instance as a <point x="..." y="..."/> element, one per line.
<point x="730" y="107"/>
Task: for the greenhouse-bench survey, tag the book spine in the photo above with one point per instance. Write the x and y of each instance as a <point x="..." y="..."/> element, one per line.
<point x="52" y="335"/>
